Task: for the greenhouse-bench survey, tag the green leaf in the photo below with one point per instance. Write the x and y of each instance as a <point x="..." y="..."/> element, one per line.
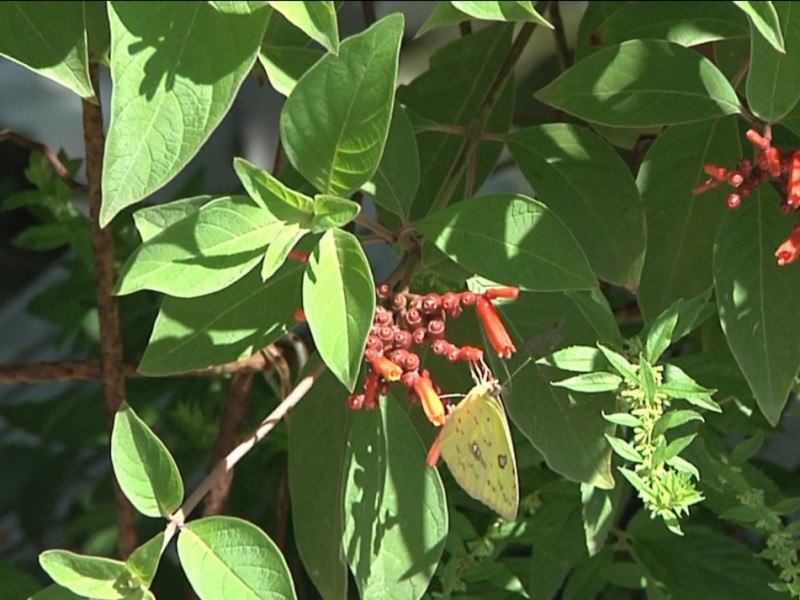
<point x="46" y="236"/>
<point x="595" y="308"/>
<point x="585" y="182"/>
<point x="16" y="583"/>
<point x="620" y="363"/>
<point x="332" y="211"/>
<point x="226" y="557"/>
<point x="202" y="253"/>
<point x="502" y="11"/>
<point x="285" y="239"/>
<point x="339" y="301"/>
<point x="91" y="576"/>
<point x="443" y="14"/>
<point x="764" y="19"/>
<point x="678" y="384"/>
<point x="176" y="69"/>
<point x="590" y="383"/>
<point x="285" y="65"/>
<point x="747" y="449"/>
<point x="599" y="508"/>
<point x="143" y="562"/>
<point x="675" y="418"/>
<point x="684" y="466"/>
<point x="684" y="23"/>
<point x="579" y="359"/>
<point x="512" y="240"/>
<point x="386" y="479"/>
<point x="318" y="461"/>
<point x="679" y="243"/>
<point x="268" y="191"/>
<point x="647" y="377"/>
<point x="337" y="144"/>
<point x="226" y="326"/>
<point x="756" y="303"/>
<point x="687" y="314"/>
<point x="316" y="19"/>
<point x="773" y="88"/>
<point x="642" y="83"/>
<point x="48" y="38"/>
<point x="396" y="180"/>
<point x="624" y="449"/>
<point x="624" y="419"/>
<point x="152" y="220"/>
<point x="144" y="468"/>
<point x="678" y="445"/>
<point x="659" y="337"/>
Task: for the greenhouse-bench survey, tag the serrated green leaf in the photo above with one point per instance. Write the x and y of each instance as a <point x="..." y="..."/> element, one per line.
<point x="202" y="253"/>
<point x="620" y="363"/>
<point x="772" y="86"/>
<point x="90" y="576"/>
<point x="747" y="449"/>
<point x="675" y="418"/>
<point x="677" y="384"/>
<point x="316" y="19"/>
<point x="584" y="181"/>
<point x="152" y="220"/>
<point x="226" y="557"/>
<point x="337" y="144"/>
<point x="48" y="38"/>
<point x="384" y="481"/>
<point x="512" y="240"/>
<point x="226" y="326"/>
<point x="764" y="19"/>
<point x="590" y="383"/>
<point x="624" y="449"/>
<point x="642" y="83"/>
<point x="624" y="419"/>
<point x="143" y="562"/>
<point x="755" y="298"/>
<point x="502" y="11"/>
<point x="176" y="68"/>
<point x="144" y="468"/>
<point x="339" y="301"/>
<point x="280" y="246"/>
<point x="579" y="359"/>
<point x="332" y="211"/>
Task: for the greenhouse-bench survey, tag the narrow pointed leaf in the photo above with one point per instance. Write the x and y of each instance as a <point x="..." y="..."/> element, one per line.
<point x="332" y="211"/>
<point x="502" y="11"/>
<point x="268" y="191"/>
<point x="143" y="562"/>
<point x="620" y="363"/>
<point x="152" y="220"/>
<point x="580" y="359"/>
<point x="659" y="336"/>
<point x="678" y="384"/>
<point x="589" y="383"/>
<point x="675" y="418"/>
<point x="624" y="419"/>
<point x="624" y="449"/>
<point x="279" y="248"/>
<point x="89" y="576"/>
<point x="316" y="19"/>
<point x="765" y="21"/>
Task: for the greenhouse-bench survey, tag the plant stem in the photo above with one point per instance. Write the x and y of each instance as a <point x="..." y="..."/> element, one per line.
<point x="376" y="228"/>
<point x="562" y="48"/>
<point x="49" y="154"/>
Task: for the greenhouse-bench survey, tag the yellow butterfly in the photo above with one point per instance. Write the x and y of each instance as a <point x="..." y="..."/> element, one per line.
<point x="476" y="445"/>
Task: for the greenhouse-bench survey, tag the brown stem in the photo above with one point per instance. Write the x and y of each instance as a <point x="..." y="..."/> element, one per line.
<point x="107" y="310"/>
<point x="562" y="47"/>
<point x="49" y="155"/>
<point x="375" y="228"/>
<point x="368" y="8"/>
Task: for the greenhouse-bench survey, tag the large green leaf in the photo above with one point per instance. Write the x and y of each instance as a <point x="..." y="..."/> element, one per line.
<point x="642" y="83"/>
<point x="773" y="87"/>
<point x="681" y="225"/>
<point x="318" y="436"/>
<point x="284" y="53"/>
<point x="511" y="239"/>
<point x="585" y="182"/>
<point x="176" y="68"/>
<point x="152" y="220"/>
<point x="90" y="576"/>
<point x="49" y="39"/>
<point x="502" y="11"/>
<point x="339" y="301"/>
<point x="226" y="557"/>
<point x="228" y="325"/>
<point x="144" y="468"/>
<point x="337" y="144"/>
<point x="203" y="252"/>
<point x="764" y="19"/>
<point x="756" y="300"/>
<point x="316" y="19"/>
<point x="395" y="509"/>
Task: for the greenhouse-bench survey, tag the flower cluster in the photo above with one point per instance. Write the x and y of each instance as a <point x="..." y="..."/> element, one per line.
<point x="770" y="165"/>
<point x="404" y="321"/>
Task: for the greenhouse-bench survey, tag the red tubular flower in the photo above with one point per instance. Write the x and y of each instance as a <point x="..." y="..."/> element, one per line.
<point x="471" y="353"/>
<point x="371" y="391"/>
<point x="494" y="328"/>
<point x="793" y="196"/>
<point x="433" y="453"/>
<point x="510" y="293"/>
<point x="789" y="250"/>
<point x="431" y="403"/>
<point x="385" y="368"/>
<point x="755" y="138"/>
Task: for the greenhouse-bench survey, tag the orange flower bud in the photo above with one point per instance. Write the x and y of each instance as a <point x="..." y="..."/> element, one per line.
<point x="793" y="198"/>
<point x="494" y="328"/>
<point x="300" y="315"/>
<point x="433" y="453"/>
<point x="789" y="250"/>
<point x="386" y="368"/>
<point x="431" y="403"/>
<point x="502" y="292"/>
<point x="371" y="391"/>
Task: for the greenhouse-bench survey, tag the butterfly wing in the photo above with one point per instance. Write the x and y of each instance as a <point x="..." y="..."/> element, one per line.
<point x="476" y="445"/>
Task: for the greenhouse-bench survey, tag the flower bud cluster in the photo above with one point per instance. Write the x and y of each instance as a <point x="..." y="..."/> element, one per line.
<point x="404" y="323"/>
<point x="770" y="164"/>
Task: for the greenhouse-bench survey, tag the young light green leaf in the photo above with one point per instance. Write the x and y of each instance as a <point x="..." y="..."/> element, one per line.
<point x="226" y="557"/>
<point x="226" y="326"/>
<point x="677" y="384"/>
<point x="637" y="482"/>
<point x="679" y="249"/>
<point x="337" y="144"/>
<point x="284" y="53"/>
<point x="678" y="445"/>
<point x="283" y="242"/>
<point x="688" y="314"/>
<point x="48" y="38"/>
<point x="620" y="363"/>
<point x="747" y="448"/>
<point x="755" y="298"/>
<point x="145" y="470"/>
<point x="764" y="19"/>
<point x="647" y="378"/>
<point x="332" y="211"/>
<point x="675" y="418"/>
<point x="143" y="562"/>
<point x="590" y="383"/>
<point x="176" y="70"/>
<point x="202" y="253"/>
<point x="152" y="220"/>
<point x="502" y="11"/>
<point x="339" y="300"/>
<point x="624" y="449"/>
<point x="684" y="466"/>
<point x="384" y="480"/>
<point x="585" y="182"/>
<point x="55" y="592"/>
<point x="513" y="240"/>
<point x="268" y="191"/>
<point x="624" y="419"/>
<point x="772" y="87"/>
<point x="578" y="359"/>
<point x="642" y="83"/>
<point x="89" y="576"/>
<point x="659" y="336"/>
<point x="316" y="19"/>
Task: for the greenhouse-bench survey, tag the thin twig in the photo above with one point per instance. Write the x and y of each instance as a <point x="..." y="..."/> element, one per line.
<point x="107" y="310"/>
<point x="376" y="228"/>
<point x="282" y="514"/>
<point x="49" y="155"/>
<point x="368" y="9"/>
<point x="562" y="47"/>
